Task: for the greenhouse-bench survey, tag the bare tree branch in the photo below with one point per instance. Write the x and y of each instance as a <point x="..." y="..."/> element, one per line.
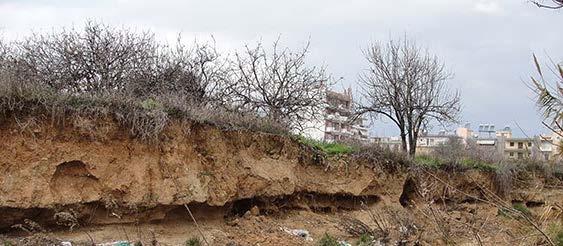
<point x="407" y="85"/>
<point x="279" y="85"/>
<point x="556" y="4"/>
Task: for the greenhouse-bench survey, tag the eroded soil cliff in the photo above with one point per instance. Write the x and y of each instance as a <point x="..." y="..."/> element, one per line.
<point x="92" y="182"/>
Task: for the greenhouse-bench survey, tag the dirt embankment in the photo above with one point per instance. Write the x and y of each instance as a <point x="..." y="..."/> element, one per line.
<point x="84" y="171"/>
<point x="243" y="188"/>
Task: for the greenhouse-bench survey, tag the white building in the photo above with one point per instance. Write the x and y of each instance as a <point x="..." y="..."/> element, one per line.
<point x="337" y="123"/>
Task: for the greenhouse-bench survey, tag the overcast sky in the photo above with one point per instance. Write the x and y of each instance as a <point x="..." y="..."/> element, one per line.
<point x="487" y="44"/>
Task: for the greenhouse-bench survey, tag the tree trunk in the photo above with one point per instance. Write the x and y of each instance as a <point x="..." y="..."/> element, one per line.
<point x="412" y="145"/>
<point x="412" y="150"/>
<point x="404" y="141"/>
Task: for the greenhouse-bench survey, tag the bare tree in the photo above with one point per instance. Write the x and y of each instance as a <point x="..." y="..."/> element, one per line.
<point x="96" y="60"/>
<point x="102" y="60"/>
<point x="279" y="85"/>
<point x="196" y="74"/>
<point x="554" y="4"/>
<point x="407" y="85"/>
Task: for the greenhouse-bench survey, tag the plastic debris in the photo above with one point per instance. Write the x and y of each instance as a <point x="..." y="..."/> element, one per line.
<point x="66" y="244"/>
<point x="116" y="243"/>
<point x="344" y="243"/>
<point x="299" y="233"/>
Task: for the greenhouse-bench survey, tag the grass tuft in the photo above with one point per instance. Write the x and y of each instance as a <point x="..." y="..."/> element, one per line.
<point x="328" y="148"/>
<point x="522" y="209"/>
<point x="328" y="240"/>
<point x="193" y="242"/>
<point x="365" y="240"/>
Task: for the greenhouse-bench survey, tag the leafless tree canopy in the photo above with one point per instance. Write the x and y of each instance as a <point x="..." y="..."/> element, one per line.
<point x="408" y="86"/>
<point x="550" y="4"/>
<point x="103" y="60"/>
<point x="278" y="84"/>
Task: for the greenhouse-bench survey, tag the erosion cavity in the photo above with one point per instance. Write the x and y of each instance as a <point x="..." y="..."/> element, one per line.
<point x="307" y="200"/>
<point x="73" y="182"/>
<point x="409" y="192"/>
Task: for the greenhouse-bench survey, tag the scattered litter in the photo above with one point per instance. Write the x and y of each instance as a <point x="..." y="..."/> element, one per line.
<point x="300" y="233"/>
<point x="116" y="243"/>
<point x="344" y="243"/>
<point x="66" y="244"/>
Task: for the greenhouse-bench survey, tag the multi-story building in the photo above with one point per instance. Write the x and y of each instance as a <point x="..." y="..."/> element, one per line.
<point x="426" y="143"/>
<point x="541" y="147"/>
<point x="499" y="144"/>
<point x="519" y="148"/>
<point x="391" y="143"/>
<point x="339" y="122"/>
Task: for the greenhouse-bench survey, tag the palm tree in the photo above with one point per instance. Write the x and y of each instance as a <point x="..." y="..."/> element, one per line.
<point x="550" y="97"/>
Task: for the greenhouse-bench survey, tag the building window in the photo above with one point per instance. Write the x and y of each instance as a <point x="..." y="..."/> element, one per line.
<point x="520" y="145"/>
<point x="511" y="144"/>
<point x="530" y="144"/>
<point x="511" y="154"/>
<point x="520" y="156"/>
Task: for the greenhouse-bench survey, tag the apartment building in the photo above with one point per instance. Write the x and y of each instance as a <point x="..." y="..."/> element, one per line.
<point x="338" y="123"/>
<point x="519" y="148"/>
<point x="427" y="143"/>
<point x="391" y="143"/>
<point x="497" y="144"/>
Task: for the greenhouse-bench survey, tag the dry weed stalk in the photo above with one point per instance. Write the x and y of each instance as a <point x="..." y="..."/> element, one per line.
<point x="497" y="202"/>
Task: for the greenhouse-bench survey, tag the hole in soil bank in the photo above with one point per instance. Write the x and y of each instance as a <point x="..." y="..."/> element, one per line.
<point x="316" y="202"/>
<point x="73" y="169"/>
<point x="240" y="207"/>
<point x="96" y="213"/>
<point x="532" y="204"/>
<point x="74" y="181"/>
<point x="409" y="192"/>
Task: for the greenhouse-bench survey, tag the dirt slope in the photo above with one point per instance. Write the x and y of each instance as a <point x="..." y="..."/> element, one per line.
<point x="92" y="182"/>
<point x="46" y="170"/>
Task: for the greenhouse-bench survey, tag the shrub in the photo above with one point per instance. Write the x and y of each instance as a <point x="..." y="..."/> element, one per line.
<point x="365" y="240"/>
<point x="66" y="74"/>
<point x="555" y="231"/>
<point x="478" y="164"/>
<point x="329" y="148"/>
<point x="429" y="161"/>
<point x="193" y="242"/>
<point x="455" y="165"/>
<point x="384" y="158"/>
<point x="522" y="209"/>
<point x="328" y="240"/>
<point x="502" y="179"/>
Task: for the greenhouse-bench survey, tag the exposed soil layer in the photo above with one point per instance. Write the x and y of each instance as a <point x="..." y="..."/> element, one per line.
<point x="96" y="183"/>
<point x="46" y="170"/>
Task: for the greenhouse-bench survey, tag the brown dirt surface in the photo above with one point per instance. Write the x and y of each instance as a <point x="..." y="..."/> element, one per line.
<point x="71" y="184"/>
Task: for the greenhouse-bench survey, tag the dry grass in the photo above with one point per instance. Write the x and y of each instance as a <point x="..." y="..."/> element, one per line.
<point x="382" y="158"/>
<point x="143" y="119"/>
<point x="65" y="75"/>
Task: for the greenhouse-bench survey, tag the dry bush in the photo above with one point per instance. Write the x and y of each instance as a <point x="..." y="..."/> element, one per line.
<point x="454" y="150"/>
<point x="383" y="158"/>
<point x="278" y="84"/>
<point x="503" y="179"/>
<point x="104" y="72"/>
